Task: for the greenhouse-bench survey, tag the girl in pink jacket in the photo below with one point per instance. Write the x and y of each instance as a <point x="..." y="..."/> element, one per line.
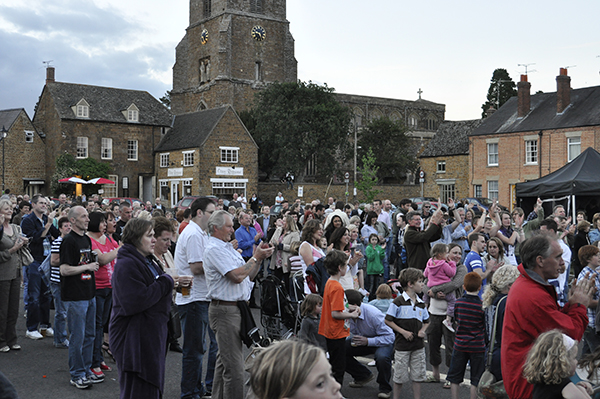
<point x="440" y="271"/>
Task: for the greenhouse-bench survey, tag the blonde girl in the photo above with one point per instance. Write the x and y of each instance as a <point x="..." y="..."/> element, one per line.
<point x="550" y="363"/>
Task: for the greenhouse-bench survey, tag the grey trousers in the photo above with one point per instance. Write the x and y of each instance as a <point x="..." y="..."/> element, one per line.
<point x="225" y="321"/>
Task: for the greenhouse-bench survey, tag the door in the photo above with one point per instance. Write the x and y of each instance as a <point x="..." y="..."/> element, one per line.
<point x="175" y="193"/>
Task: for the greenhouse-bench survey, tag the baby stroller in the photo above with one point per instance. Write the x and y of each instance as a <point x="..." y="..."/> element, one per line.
<point x="278" y="314"/>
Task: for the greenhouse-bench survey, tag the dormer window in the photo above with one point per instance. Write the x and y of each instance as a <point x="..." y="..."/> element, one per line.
<point x="82" y="109"/>
<point x="132" y="113"/>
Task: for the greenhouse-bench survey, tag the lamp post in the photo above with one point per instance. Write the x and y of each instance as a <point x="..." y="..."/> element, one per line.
<point x="3" y="133"/>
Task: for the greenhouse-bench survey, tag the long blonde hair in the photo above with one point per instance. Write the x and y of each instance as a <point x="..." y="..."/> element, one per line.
<point x="501" y="280"/>
<point x="548" y="360"/>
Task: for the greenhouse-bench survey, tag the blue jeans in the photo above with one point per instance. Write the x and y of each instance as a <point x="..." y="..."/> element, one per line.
<point x="103" y="307"/>
<point x="38" y="299"/>
<point x="383" y="361"/>
<point x="60" y="316"/>
<point x="194" y="323"/>
<point x="81" y="316"/>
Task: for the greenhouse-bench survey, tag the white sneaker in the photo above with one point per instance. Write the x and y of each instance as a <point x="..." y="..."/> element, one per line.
<point x="33" y="335"/>
<point x="47" y="332"/>
<point x="448" y="325"/>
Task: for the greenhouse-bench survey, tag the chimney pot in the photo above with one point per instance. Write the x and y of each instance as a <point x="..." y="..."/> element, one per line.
<point x="563" y="91"/>
<point x="50" y="74"/>
<point x="523" y="97"/>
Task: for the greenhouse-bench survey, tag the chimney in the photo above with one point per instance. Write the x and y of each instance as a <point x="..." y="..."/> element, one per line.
<point x="50" y="74"/>
<point x="490" y="111"/>
<point x="563" y="91"/>
<point x="524" y="97"/>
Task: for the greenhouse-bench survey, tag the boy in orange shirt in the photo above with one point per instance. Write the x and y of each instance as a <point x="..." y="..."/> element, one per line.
<point x="333" y="314"/>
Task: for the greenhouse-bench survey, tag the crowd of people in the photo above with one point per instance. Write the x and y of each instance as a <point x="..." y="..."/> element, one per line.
<point x="130" y="281"/>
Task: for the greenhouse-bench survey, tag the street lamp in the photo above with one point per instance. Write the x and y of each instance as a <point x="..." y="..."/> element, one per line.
<point x="3" y="134"/>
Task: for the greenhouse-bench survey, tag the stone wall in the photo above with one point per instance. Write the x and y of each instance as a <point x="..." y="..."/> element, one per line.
<point x="457" y="173"/>
<point x="268" y="191"/>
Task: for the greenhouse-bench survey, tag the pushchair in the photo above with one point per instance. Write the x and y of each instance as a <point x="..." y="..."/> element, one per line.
<point x="279" y="315"/>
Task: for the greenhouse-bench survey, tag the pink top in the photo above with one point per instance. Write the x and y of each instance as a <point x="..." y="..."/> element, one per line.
<point x="105" y="272"/>
<point x="439" y="272"/>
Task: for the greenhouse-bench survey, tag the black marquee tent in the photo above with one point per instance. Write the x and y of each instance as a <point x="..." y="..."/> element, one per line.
<point x="576" y="185"/>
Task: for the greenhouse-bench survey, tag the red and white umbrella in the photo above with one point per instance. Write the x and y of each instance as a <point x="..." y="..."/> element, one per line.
<point x="73" y="180"/>
<point x="100" y="180"/>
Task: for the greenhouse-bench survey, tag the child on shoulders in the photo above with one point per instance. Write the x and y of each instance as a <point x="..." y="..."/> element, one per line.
<point x="439" y="270"/>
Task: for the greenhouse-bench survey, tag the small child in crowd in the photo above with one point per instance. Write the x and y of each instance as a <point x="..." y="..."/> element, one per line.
<point x="323" y="244"/>
<point x="311" y="312"/>
<point x="384" y="298"/>
<point x="440" y="271"/>
<point x="551" y="362"/>
<point x="469" y="341"/>
<point x="408" y="317"/>
<point x="375" y="254"/>
<point x="332" y="325"/>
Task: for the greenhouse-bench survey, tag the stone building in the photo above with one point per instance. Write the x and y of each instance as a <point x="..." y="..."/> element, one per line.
<point x="445" y="161"/>
<point x="208" y="152"/>
<point x="532" y="136"/>
<point x="231" y="49"/>
<point x="115" y="126"/>
<point x="23" y="153"/>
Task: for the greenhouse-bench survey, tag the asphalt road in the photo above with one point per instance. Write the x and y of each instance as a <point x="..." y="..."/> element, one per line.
<point x="40" y="371"/>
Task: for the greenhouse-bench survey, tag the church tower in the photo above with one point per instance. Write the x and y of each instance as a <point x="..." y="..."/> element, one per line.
<point x="231" y="49"/>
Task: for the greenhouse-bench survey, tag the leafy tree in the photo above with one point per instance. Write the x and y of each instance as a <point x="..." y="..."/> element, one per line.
<point x="368" y="176"/>
<point x="395" y="150"/>
<point x="67" y="166"/>
<point x="166" y="99"/>
<point x="296" y="121"/>
<point x="502" y="87"/>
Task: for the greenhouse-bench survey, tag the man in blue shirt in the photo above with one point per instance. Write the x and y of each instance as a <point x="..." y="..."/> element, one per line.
<point x="473" y="260"/>
<point x="369" y="335"/>
<point x="247" y="236"/>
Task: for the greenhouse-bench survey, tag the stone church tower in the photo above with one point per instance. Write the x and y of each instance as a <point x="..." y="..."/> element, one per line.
<point x="231" y="49"/>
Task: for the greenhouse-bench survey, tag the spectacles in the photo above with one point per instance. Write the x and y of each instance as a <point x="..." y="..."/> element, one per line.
<point x="427" y="207"/>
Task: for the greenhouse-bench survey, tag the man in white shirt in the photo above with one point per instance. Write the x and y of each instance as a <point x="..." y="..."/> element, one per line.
<point x="193" y="308"/>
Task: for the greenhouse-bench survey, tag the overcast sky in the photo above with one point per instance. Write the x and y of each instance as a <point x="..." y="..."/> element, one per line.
<point x="385" y="48"/>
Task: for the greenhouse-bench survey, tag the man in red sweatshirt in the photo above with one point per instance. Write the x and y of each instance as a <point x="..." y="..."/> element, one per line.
<point x="531" y="309"/>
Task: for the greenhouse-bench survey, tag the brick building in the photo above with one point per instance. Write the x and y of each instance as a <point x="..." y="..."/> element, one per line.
<point x="115" y="126"/>
<point x="445" y="161"/>
<point x="531" y="136"/>
<point x="230" y="50"/>
<point x="208" y="152"/>
<point x="23" y="153"/>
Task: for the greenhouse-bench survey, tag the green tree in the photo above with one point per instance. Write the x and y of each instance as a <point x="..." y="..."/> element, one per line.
<point x="298" y="122"/>
<point x="166" y="99"/>
<point x="502" y="87"/>
<point x="368" y="176"/>
<point x="395" y="150"/>
<point x="68" y="166"/>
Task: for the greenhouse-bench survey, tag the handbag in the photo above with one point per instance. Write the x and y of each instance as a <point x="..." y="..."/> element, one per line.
<point x="23" y="253"/>
<point x="488" y="386"/>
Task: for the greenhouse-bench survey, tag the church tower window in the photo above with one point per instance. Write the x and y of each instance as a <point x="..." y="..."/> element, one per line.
<point x="258" y="71"/>
<point x="204" y="70"/>
<point x="256" y="6"/>
<point x="207" y="7"/>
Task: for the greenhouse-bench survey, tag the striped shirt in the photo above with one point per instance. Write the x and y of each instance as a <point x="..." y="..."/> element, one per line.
<point x="55" y="270"/>
<point x="470" y="334"/>
<point x="594" y="274"/>
<point x="409" y="316"/>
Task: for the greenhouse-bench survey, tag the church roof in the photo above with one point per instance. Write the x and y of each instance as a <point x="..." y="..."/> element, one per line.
<point x="451" y="139"/>
<point x="584" y="110"/>
<point x="8" y="117"/>
<point x="106" y="104"/>
<point x="191" y="130"/>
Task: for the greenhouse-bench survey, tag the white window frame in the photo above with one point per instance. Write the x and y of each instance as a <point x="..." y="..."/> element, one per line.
<point x="164" y="160"/>
<point x="572" y="143"/>
<point x="230" y="154"/>
<point x="29" y="134"/>
<point x="188" y="158"/>
<point x="441" y="167"/>
<point x="531" y="152"/>
<point x="82" y="148"/>
<point x="106" y="151"/>
<point x="83" y="111"/>
<point x="492" y="157"/>
<point x="132" y="150"/>
<point x="477" y="190"/>
<point x="133" y="115"/>
<point x="111" y="190"/>
<point x="493" y="189"/>
<point x="447" y="191"/>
